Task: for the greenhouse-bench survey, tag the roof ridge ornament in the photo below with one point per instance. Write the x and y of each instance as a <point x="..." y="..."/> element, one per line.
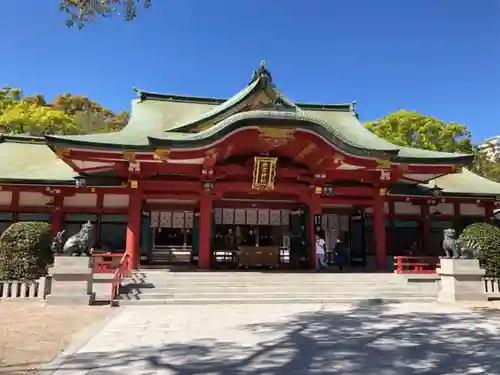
<point x="262" y="72"/>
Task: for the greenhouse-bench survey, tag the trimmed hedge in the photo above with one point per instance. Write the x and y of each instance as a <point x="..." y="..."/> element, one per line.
<point x="485" y="238"/>
<point x="25" y="251"/>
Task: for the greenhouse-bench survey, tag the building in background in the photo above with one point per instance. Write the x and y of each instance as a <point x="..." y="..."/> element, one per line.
<point x="491" y="147"/>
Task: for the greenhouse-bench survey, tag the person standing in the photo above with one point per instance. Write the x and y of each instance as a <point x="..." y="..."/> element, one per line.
<point x="320" y="251"/>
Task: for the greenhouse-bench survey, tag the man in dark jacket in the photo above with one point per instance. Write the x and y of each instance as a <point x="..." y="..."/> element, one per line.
<point x="339" y="254"/>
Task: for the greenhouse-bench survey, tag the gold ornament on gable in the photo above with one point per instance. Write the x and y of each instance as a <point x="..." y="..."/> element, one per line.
<point x="276" y="137"/>
<point x="338" y="159"/>
<point x="383" y="192"/>
<point x="129" y="156"/>
<point x="61" y="152"/>
<point x="404" y="167"/>
<point x="383" y="163"/>
<point x="264" y="173"/>
<point x="162" y="154"/>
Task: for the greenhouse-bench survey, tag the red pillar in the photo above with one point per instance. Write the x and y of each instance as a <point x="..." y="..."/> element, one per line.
<point x="134" y="229"/>
<point x="379" y="233"/>
<point x="488" y="210"/>
<point x="314" y="209"/>
<point x="204" y="240"/>
<point x="426" y="228"/>
<point x="57" y="216"/>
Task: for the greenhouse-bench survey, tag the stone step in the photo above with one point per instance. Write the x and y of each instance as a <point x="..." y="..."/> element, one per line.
<point x="273" y="300"/>
<point x="269" y="279"/>
<point x="247" y="274"/>
<point x="259" y="295"/>
<point x="266" y="282"/>
<point x="274" y="288"/>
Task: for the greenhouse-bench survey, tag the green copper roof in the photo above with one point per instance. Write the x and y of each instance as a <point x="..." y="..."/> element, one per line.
<point x="466" y="182"/>
<point x="29" y="159"/>
<point x="171" y="121"/>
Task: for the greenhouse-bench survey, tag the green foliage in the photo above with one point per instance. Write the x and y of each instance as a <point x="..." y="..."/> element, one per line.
<point x="66" y="114"/>
<point x="413" y="129"/>
<point x="486" y="166"/>
<point x="27" y="118"/>
<point x="486" y="238"/>
<point x="25" y="251"/>
<point x="81" y="12"/>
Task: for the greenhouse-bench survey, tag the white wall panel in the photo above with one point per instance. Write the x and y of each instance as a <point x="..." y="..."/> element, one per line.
<point x="81" y="200"/>
<point x="468" y="209"/>
<point x="5" y="198"/>
<point x="115" y="200"/>
<point x="444" y="208"/>
<point x="27" y="198"/>
<point x="406" y="208"/>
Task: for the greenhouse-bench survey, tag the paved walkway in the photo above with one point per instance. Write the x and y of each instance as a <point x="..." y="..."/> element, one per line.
<point x="373" y="339"/>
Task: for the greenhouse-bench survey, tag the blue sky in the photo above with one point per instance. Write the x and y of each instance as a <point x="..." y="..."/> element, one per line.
<point x="439" y="57"/>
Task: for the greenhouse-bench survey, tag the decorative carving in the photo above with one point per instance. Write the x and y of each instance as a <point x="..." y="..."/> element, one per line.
<point x="276" y="137"/>
<point x="404" y="167"/>
<point x="306" y="151"/>
<point x="129" y="156"/>
<point x="454" y="248"/>
<point x="385" y="175"/>
<point x="383" y="163"/>
<point x="62" y="152"/>
<point x="338" y="159"/>
<point x="264" y="173"/>
<point x="134" y="167"/>
<point x="162" y="154"/>
<point x="451" y="245"/>
<point x="212" y="153"/>
<point x="78" y="245"/>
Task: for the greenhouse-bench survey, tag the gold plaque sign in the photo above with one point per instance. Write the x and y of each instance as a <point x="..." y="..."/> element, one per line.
<point x="264" y="172"/>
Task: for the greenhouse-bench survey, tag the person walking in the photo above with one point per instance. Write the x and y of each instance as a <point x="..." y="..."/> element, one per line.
<point x="320" y="251"/>
<point x="339" y="254"/>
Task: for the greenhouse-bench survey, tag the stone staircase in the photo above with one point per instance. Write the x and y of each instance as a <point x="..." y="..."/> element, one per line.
<point x="153" y="287"/>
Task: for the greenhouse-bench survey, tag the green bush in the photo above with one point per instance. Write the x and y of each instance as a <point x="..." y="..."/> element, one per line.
<point x="486" y="239"/>
<point x="25" y="251"/>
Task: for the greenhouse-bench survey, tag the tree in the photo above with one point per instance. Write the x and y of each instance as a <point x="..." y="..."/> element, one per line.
<point x="487" y="165"/>
<point x="413" y="129"/>
<point x="81" y="12"/>
<point x="26" y="118"/>
<point x="66" y="114"/>
<point x="8" y="96"/>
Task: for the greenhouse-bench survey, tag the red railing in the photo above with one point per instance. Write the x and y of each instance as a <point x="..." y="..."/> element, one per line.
<point x="106" y="263"/>
<point x="118" y="276"/>
<point x="415" y="265"/>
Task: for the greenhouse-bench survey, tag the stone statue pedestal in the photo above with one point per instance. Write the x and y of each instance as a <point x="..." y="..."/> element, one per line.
<point x="461" y="281"/>
<point x="71" y="281"/>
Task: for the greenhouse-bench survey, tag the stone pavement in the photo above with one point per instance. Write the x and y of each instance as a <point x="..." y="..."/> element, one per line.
<point x="371" y="338"/>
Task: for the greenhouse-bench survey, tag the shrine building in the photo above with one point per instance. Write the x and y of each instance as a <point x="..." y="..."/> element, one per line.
<point x="195" y="180"/>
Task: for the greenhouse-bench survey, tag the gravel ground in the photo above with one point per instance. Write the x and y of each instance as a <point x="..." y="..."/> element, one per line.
<point x="32" y="334"/>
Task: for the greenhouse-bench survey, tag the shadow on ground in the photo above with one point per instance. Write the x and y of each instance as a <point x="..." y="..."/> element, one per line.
<point x="371" y="339"/>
